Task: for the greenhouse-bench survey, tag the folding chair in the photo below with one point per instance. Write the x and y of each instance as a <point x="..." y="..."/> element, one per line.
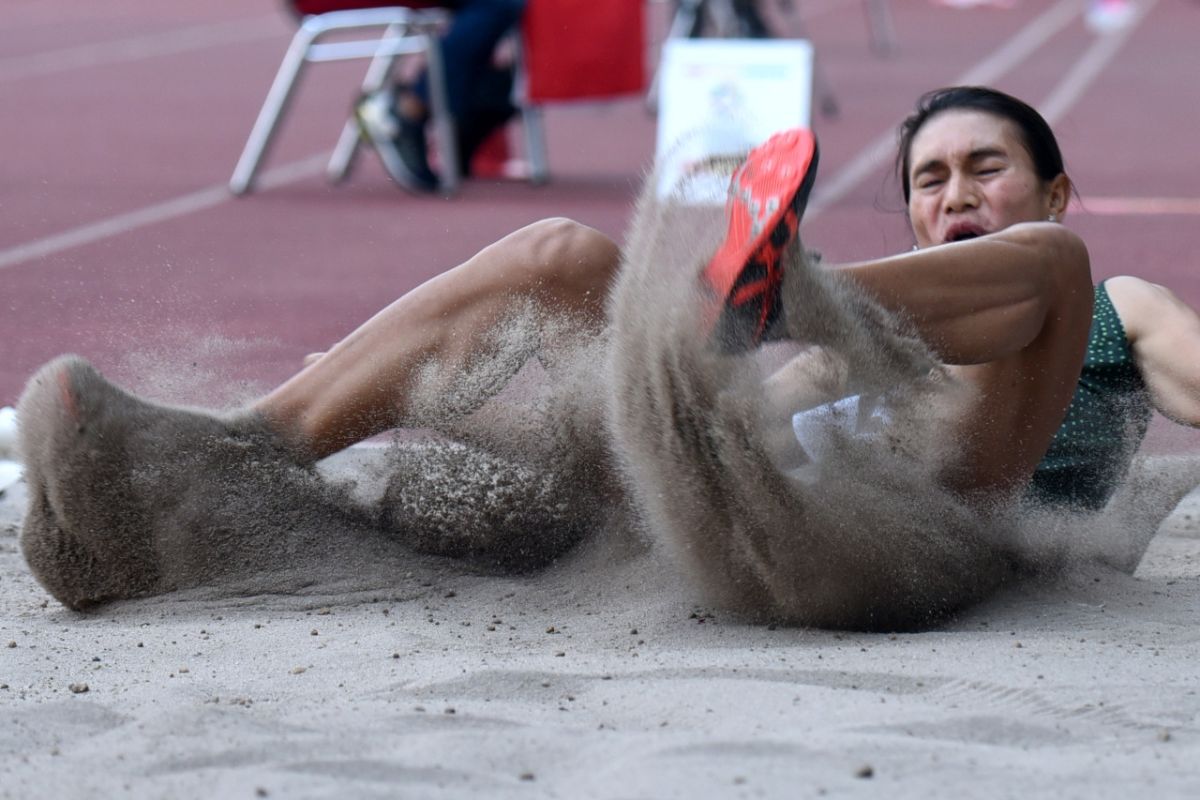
<point x="400" y="29"/>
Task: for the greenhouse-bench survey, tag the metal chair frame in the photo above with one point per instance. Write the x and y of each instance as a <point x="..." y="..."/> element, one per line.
<point x="405" y="31"/>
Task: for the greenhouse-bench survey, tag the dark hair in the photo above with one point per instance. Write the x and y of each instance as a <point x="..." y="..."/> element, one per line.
<point x="1036" y="135"/>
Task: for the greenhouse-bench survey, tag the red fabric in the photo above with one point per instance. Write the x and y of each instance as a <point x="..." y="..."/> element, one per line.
<point x="321" y="6"/>
<point x="492" y="156"/>
<point x="577" y="49"/>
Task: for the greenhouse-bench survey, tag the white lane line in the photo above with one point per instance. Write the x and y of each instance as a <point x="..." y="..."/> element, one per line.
<point x="1138" y="206"/>
<point x="1089" y="67"/>
<point x="160" y="212"/>
<point x="198" y="37"/>
<point x="1023" y="44"/>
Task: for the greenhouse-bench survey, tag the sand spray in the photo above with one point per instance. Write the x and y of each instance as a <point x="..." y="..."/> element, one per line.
<point x="553" y="436"/>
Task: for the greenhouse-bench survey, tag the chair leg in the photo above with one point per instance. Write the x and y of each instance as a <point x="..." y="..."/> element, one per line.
<point x="269" y="115"/>
<point x="823" y="96"/>
<point x="443" y="122"/>
<point x="880" y="27"/>
<point x="345" y="153"/>
<point x="535" y="144"/>
<point x="532" y="126"/>
<point x="341" y="161"/>
<point x="684" y="25"/>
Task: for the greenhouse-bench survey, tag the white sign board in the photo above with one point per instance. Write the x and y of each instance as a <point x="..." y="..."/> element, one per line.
<point x="720" y="97"/>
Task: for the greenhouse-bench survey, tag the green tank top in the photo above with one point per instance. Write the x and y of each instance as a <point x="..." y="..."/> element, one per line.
<point x="1105" y="423"/>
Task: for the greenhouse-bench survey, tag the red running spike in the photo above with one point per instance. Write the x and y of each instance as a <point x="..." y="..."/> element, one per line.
<point x="767" y="196"/>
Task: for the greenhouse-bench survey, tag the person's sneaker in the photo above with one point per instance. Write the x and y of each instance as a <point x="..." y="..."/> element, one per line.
<point x="400" y="143"/>
<point x="767" y="196"/>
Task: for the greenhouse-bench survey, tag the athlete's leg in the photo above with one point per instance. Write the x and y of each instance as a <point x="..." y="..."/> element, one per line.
<point x="358" y="388"/>
<point x="128" y="497"/>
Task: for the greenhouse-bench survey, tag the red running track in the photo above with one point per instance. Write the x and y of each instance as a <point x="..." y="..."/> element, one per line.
<point x="123" y="121"/>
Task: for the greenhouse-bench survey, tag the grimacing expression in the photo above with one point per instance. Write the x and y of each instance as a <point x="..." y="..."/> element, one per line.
<point x="970" y="174"/>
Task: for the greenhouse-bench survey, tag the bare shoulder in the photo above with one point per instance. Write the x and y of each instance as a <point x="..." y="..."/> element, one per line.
<point x="1143" y="306"/>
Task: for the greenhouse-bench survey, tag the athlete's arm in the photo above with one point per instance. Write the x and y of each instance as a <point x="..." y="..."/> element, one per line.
<point x="1164" y="333"/>
<point x="982" y="299"/>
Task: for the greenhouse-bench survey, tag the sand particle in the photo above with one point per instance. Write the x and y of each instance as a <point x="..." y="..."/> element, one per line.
<point x="78" y="688"/>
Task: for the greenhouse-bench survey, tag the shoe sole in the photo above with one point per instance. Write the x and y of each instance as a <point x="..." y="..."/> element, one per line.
<point x="767" y="198"/>
<point x="393" y="164"/>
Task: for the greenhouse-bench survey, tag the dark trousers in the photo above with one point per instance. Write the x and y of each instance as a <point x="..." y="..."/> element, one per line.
<point x="476" y="28"/>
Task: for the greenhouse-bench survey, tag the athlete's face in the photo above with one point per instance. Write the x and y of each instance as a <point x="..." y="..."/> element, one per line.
<point x="970" y="174"/>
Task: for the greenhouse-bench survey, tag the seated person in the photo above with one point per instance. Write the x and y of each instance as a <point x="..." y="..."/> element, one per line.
<point x="393" y="119"/>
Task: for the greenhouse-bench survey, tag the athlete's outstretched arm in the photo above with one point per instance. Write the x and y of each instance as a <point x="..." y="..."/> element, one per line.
<point x="983" y="299"/>
<point x="1164" y="332"/>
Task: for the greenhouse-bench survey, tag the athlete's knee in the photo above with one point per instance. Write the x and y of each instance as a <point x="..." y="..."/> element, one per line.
<point x="572" y="257"/>
<point x="1065" y="255"/>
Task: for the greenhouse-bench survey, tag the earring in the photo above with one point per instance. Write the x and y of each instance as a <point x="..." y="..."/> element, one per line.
<point x="1052" y="218"/>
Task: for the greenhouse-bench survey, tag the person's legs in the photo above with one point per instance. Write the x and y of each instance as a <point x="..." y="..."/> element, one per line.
<point x="393" y="119"/>
<point x="477" y="26"/>
<point x="358" y="388"/>
<point x="751" y="24"/>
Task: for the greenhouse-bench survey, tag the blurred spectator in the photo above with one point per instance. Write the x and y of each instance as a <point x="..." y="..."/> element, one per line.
<point x="479" y="92"/>
<point x="748" y="22"/>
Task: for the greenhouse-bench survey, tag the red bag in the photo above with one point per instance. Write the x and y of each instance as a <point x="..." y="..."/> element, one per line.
<point x="576" y="49"/>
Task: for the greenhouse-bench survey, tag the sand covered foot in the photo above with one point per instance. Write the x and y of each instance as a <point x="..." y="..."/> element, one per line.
<point x="130" y="498"/>
<point x="452" y="499"/>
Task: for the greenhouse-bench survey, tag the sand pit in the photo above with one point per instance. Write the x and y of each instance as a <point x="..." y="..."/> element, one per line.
<point x="364" y="672"/>
<point x="598" y="677"/>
